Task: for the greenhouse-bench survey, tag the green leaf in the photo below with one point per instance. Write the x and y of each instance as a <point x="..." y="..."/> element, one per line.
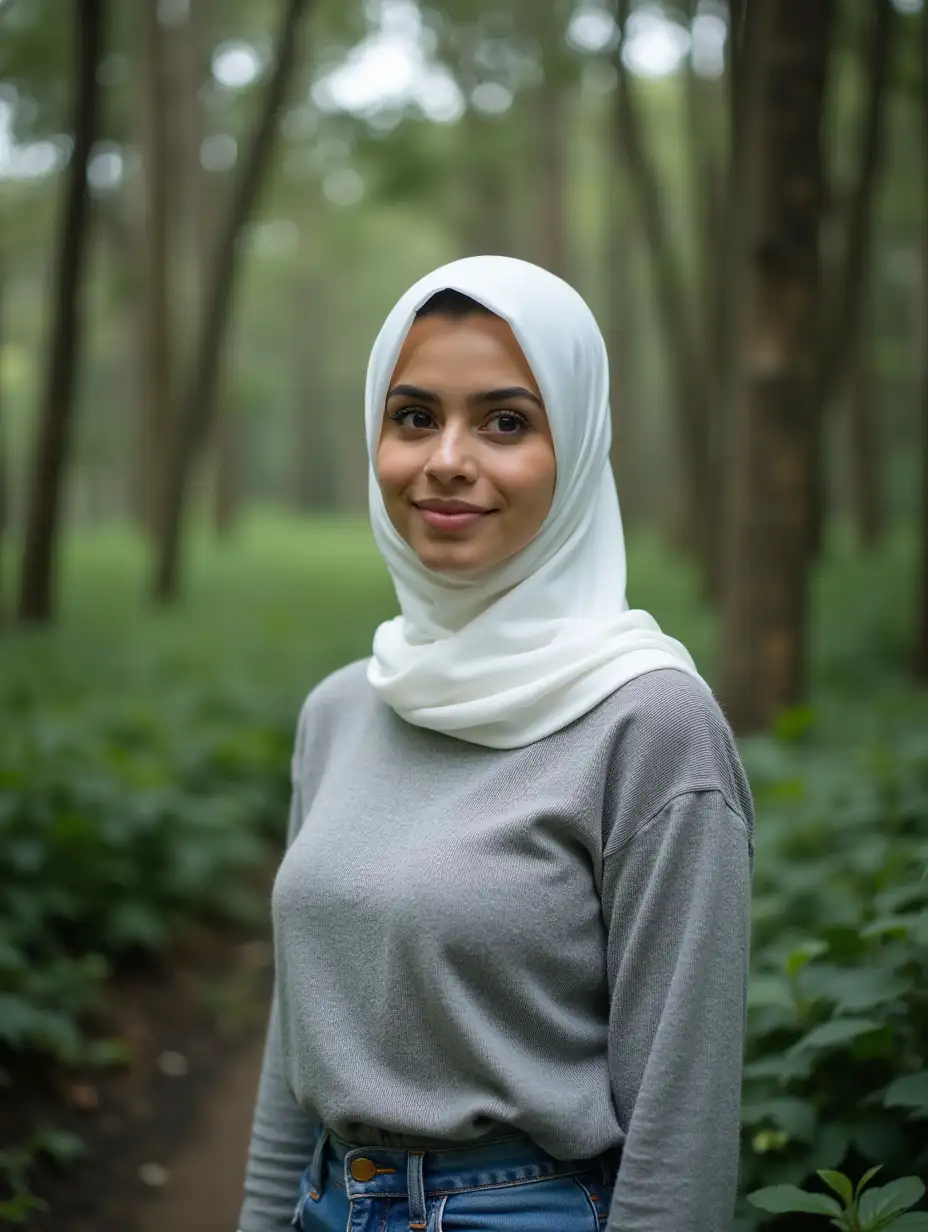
<point x="890" y="1199"/>
<point x="803" y="954"/>
<point x="782" y="1199"/>
<point x="835" y="1033"/>
<point x="866" y="1179"/>
<point x="911" y="1221"/>
<point x="796" y="1116"/>
<point x="839" y="1183"/>
<point x="908" y="1092"/>
<point x="860" y="988"/>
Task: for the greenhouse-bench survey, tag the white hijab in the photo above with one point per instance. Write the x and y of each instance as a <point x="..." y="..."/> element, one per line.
<point x="513" y="653"/>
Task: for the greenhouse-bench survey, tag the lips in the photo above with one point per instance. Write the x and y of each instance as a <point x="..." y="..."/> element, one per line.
<point x="448" y="506"/>
<point x="450" y="516"/>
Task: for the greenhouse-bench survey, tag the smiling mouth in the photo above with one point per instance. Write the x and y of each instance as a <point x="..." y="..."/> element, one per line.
<point x="452" y="517"/>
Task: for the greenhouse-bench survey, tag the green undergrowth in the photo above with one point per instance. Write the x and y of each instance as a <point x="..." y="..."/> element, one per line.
<point x="144" y="778"/>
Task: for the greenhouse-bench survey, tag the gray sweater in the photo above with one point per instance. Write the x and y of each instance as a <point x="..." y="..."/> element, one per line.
<point x="552" y="939"/>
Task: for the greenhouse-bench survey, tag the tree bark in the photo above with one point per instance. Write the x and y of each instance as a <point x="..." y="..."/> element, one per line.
<point x="842" y="308"/>
<point x="552" y="208"/>
<point x="197" y="406"/>
<point x="36" y="587"/>
<point x="622" y="291"/>
<point x="687" y="377"/>
<point x="763" y="653"/>
<point x="156" y="365"/>
<point x="4" y="483"/>
<point x="227" y="489"/>
<point x="921" y="630"/>
<point x="921" y="623"/>
<point x="864" y="440"/>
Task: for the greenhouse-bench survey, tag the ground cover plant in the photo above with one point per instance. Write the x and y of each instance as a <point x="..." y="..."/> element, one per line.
<point x="144" y="775"/>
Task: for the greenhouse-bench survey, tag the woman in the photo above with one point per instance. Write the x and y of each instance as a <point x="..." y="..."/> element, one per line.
<point x="511" y="926"/>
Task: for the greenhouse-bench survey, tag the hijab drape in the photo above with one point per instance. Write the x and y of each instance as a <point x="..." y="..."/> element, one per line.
<point x="510" y="654"/>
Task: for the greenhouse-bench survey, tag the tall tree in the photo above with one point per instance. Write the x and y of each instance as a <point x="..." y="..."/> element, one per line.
<point x="921" y="635"/>
<point x="763" y="652"/>
<point x="847" y="276"/>
<point x="864" y="439"/>
<point x="155" y="249"/>
<point x="678" y="321"/>
<point x="36" y="588"/>
<point x="4" y="491"/>
<point x="196" y="409"/>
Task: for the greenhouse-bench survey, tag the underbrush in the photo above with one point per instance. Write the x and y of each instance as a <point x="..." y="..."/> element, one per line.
<point x="144" y="777"/>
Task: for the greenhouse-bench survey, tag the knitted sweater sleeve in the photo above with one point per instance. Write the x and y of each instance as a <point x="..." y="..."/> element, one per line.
<point x="283" y="1133"/>
<point x="676" y="905"/>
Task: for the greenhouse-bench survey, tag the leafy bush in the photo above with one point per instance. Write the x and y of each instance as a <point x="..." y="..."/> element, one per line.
<point x="837" y="1056"/>
<point x="144" y="766"/>
<point x="143" y="769"/>
<point x="860" y="1209"/>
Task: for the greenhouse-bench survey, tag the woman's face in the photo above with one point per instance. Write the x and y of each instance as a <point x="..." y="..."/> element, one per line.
<point x="465" y="461"/>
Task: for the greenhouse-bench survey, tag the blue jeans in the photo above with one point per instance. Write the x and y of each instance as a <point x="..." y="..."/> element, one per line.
<point x="510" y="1185"/>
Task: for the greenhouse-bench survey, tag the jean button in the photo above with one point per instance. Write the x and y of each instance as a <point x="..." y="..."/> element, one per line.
<point x="363" y="1169"/>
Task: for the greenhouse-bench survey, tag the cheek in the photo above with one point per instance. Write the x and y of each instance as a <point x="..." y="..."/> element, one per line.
<point x="529" y="477"/>
<point x="393" y="466"/>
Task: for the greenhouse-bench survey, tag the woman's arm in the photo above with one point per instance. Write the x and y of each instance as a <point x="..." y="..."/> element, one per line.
<point x="676" y="901"/>
<point x="282" y="1140"/>
<point x="283" y="1133"/>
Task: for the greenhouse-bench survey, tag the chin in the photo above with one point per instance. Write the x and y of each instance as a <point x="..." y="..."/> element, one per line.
<point x="442" y="559"/>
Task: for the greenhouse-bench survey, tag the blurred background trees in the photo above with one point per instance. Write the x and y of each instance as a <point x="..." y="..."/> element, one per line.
<point x="260" y="186"/>
<point x="206" y="211"/>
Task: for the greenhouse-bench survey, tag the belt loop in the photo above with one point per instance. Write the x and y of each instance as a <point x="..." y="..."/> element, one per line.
<point x="315" y="1174"/>
<point x="609" y="1163"/>
<point x="416" y="1188"/>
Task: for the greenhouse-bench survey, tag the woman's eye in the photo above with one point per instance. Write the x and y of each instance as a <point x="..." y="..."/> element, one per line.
<point x="412" y="417"/>
<point x="509" y="423"/>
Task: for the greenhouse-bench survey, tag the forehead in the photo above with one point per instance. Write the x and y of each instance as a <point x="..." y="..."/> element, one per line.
<point x="471" y="350"/>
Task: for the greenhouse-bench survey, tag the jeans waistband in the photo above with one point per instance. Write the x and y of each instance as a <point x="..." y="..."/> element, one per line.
<point x="368" y="1170"/>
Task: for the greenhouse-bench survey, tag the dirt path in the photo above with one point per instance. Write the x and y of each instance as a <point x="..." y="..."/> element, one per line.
<point x="165" y="1137"/>
<point x="203" y="1189"/>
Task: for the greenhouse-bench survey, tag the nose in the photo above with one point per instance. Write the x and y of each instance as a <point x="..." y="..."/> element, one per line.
<point x="452" y="455"/>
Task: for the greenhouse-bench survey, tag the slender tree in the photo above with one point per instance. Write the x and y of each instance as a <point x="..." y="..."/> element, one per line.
<point x="763" y="653"/>
<point x="921" y="633"/>
<point x="36" y="598"/>
<point x="196" y="409"/>
<point x="4" y="489"/>
<point x="678" y="324"/>
<point x="155" y="369"/>
<point x="847" y="276"/>
<point x="864" y="439"/>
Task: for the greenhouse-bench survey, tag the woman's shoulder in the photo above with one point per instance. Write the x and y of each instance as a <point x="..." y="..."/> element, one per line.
<point x="669" y="736"/>
<point x="338" y="693"/>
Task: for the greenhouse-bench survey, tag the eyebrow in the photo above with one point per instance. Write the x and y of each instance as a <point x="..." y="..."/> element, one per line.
<point x="478" y="399"/>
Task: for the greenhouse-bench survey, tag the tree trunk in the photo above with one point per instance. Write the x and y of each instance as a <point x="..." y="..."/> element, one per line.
<point x="4" y="485"/>
<point x="763" y="653"/>
<point x="227" y="489"/>
<point x="842" y="309"/>
<point x="156" y="402"/>
<point x="921" y="632"/>
<point x="622" y="293"/>
<point x="553" y="222"/>
<point x="197" y="406"/>
<point x="864" y="442"/>
<point x="36" y="597"/>
<point x="687" y="378"/>
<point x="921" y="625"/>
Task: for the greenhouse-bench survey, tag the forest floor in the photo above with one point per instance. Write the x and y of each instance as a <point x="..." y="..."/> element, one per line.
<point x="166" y="1135"/>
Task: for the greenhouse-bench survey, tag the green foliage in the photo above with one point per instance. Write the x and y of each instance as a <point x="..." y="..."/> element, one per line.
<point x="872" y="1211"/>
<point x="17" y="1162"/>
<point x="144" y="768"/>
<point x="145" y="771"/>
<point x="837" y="1052"/>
